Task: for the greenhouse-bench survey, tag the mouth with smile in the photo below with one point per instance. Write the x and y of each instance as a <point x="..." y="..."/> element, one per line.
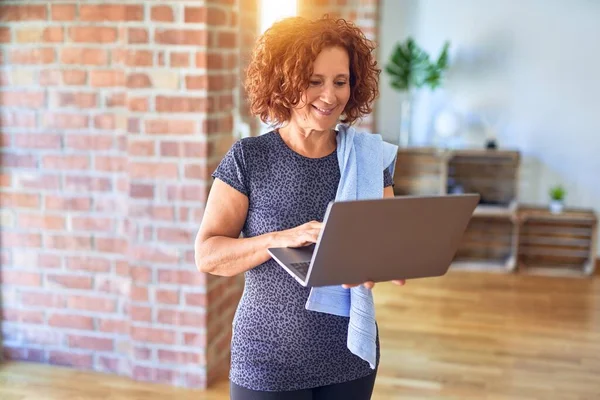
<point x="324" y="111"/>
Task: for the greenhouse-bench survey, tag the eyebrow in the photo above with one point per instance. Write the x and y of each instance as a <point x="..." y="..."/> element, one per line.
<point x="337" y="76"/>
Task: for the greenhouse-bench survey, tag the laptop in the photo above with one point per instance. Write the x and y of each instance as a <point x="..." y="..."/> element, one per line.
<point x="403" y="237"/>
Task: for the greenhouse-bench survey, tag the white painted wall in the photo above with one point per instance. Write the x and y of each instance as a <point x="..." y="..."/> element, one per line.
<point x="536" y="60"/>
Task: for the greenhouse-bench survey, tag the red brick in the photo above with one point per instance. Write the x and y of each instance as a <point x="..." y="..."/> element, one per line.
<point x="83" y="56"/>
<point x="153" y="335"/>
<point x="23" y="354"/>
<point x="40" y="299"/>
<point x="38" y="221"/>
<point x="138" y="80"/>
<point x="178" y="357"/>
<point x="89" y="263"/>
<point x="69" y="359"/>
<point x="137" y="35"/>
<point x="116" y="100"/>
<point x="93" y="34"/>
<point x="49" y="260"/>
<point x="181" y="104"/>
<point x="133" y="125"/>
<point x="75" y="77"/>
<point x="22" y="316"/>
<point x="74" y="99"/>
<point x="63" y="12"/>
<point x="5" y="36"/>
<point x="140" y="313"/>
<point x="181" y="192"/>
<point x="111" y="12"/>
<point x="68" y="242"/>
<point x="61" y="120"/>
<point x="110" y="163"/>
<point x="216" y="16"/>
<point x="37" y="141"/>
<point x="90" y="343"/>
<point x="166" y="296"/>
<point x="5" y="181"/>
<point x="198" y="82"/>
<point x="67" y="203"/>
<point x="140" y="274"/>
<point x="66" y="162"/>
<point x="102" y="224"/>
<point x="105" y="122"/>
<point x="46" y="182"/>
<point x="141" y="147"/>
<point x="179" y="59"/>
<point x="141" y="191"/>
<point x="195" y="340"/>
<point x="138" y="104"/>
<point x="139" y="293"/>
<point x="87" y="183"/>
<point x="174" y="235"/>
<point x="189" y="37"/>
<point x="13" y="160"/>
<point x="107" y="78"/>
<point x="109" y="245"/>
<point x="114" y="326"/>
<point x="153" y="170"/>
<point x="21" y="200"/>
<point x="19" y="277"/>
<point x="195" y="299"/>
<point x="193" y="278"/>
<point x="71" y="281"/>
<point x="14" y="239"/>
<point x="195" y="14"/>
<point x="162" y="14"/>
<point x="181" y="318"/>
<point x="135" y="58"/>
<point x="50" y="77"/>
<point x="22" y="13"/>
<point x="71" y="321"/>
<point x="89" y="303"/>
<point x="89" y="142"/>
<point x="32" y="56"/>
<point x="154" y="255"/>
<point x="142" y="353"/>
<point x="174" y="126"/>
<point x="18" y="119"/>
<point x="38" y="35"/>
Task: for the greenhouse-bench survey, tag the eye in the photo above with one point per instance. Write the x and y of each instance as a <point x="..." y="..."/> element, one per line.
<point x="314" y="83"/>
<point x="341" y="83"/>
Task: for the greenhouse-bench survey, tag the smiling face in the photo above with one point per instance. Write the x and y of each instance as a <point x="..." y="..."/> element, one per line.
<point x="328" y="93"/>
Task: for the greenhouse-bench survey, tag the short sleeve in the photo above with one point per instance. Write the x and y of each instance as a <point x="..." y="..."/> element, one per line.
<point x="387" y="178"/>
<point x="232" y="169"/>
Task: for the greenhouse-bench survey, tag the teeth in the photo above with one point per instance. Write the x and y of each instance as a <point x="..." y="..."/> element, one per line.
<point x="324" y="111"/>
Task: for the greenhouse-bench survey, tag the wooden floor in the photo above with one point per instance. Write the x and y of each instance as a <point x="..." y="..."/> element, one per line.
<point x="463" y="336"/>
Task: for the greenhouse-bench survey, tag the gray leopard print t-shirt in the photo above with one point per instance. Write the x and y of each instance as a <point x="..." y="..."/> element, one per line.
<point x="277" y="344"/>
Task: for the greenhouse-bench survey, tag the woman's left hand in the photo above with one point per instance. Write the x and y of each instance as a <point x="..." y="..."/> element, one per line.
<point x="370" y="284"/>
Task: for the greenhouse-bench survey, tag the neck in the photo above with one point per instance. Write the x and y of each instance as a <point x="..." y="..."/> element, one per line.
<point x="309" y="142"/>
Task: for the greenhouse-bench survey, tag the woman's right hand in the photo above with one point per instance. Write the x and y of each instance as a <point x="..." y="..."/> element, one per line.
<point x="299" y="236"/>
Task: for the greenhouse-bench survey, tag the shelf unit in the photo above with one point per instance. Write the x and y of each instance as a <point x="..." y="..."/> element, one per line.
<point x="502" y="235"/>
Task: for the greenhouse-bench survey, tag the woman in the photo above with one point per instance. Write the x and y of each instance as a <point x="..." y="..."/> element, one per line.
<point x="304" y="78"/>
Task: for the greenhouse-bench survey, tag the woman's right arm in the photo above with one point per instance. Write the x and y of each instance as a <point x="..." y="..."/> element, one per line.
<point x="218" y="248"/>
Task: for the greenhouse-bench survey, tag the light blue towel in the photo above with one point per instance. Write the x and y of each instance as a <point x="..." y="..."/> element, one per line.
<point x="362" y="158"/>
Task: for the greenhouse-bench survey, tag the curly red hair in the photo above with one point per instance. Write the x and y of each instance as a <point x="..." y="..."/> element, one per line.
<point x="282" y="64"/>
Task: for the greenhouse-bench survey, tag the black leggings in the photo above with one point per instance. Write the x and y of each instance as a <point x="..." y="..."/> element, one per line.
<point x="359" y="389"/>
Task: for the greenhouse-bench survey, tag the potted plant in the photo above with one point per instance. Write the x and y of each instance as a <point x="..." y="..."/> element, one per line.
<point x="557" y="199"/>
<point x="411" y="69"/>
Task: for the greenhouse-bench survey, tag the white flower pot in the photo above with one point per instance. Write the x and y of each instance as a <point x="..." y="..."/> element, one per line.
<point x="556" y="206"/>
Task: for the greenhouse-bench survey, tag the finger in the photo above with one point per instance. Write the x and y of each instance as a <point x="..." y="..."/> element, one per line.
<point x="349" y="285"/>
<point x="369" y="284"/>
<point x="399" y="282"/>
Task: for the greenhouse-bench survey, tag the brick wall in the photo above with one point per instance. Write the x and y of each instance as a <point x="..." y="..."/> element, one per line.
<point x="112" y="117"/>
<point x="362" y="12"/>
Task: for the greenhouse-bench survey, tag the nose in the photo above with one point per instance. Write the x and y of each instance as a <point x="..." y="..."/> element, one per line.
<point x="328" y="93"/>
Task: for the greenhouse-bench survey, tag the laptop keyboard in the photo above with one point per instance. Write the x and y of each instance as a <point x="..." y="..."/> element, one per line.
<point x="301" y="268"/>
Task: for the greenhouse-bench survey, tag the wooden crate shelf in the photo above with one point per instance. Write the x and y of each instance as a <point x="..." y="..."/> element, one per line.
<point x="502" y="235"/>
<point x="556" y="244"/>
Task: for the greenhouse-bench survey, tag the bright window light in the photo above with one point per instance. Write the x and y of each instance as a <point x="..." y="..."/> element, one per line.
<point x="272" y="11"/>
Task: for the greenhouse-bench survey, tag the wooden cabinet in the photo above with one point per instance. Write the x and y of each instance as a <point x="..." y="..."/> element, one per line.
<point x="502" y="235"/>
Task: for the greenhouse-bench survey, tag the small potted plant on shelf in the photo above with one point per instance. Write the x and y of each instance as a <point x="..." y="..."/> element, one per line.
<point x="557" y="199"/>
